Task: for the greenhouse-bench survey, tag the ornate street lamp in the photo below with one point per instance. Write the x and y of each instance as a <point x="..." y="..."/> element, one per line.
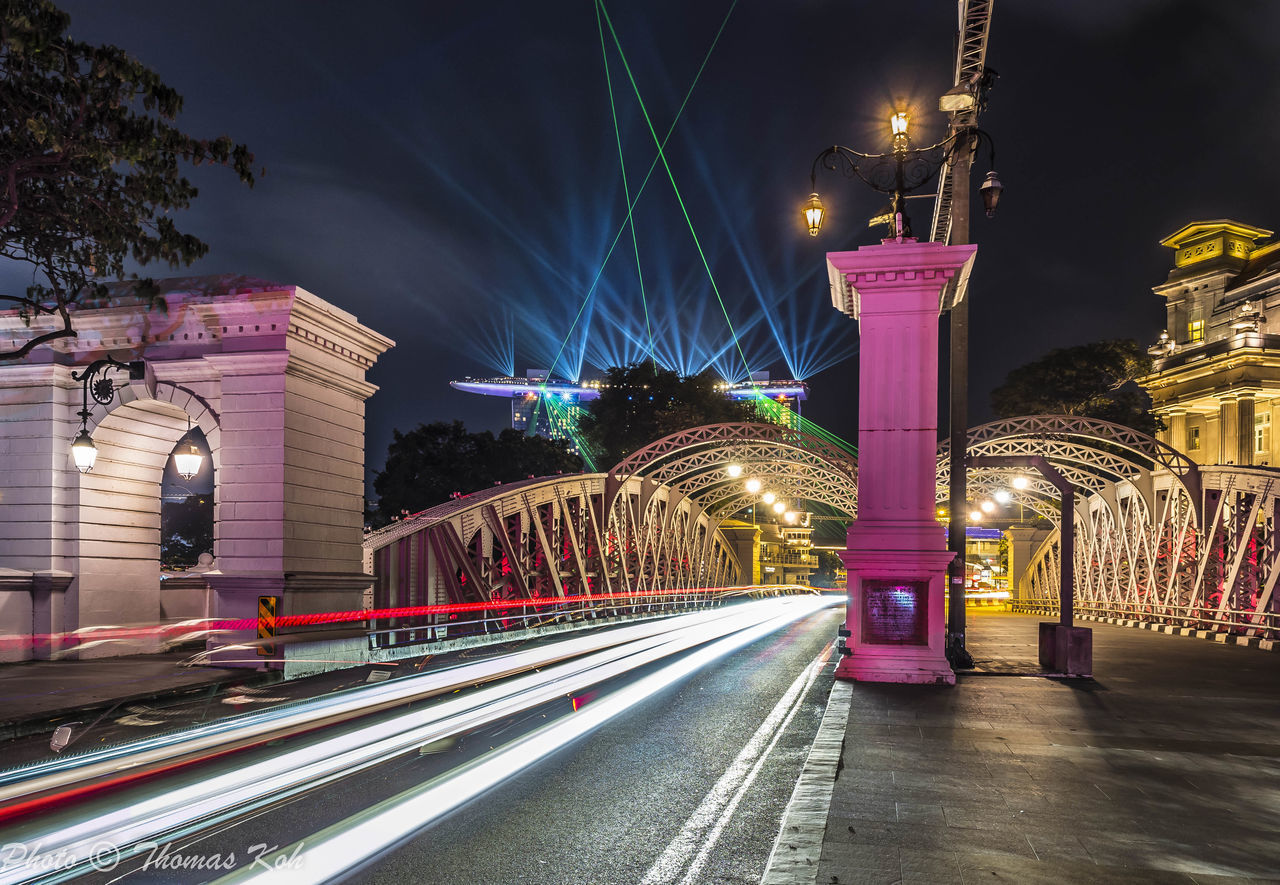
<point x="186" y="457"/>
<point x="899" y="172"/>
<point x="103" y="390"/>
<point x="96" y="383"/>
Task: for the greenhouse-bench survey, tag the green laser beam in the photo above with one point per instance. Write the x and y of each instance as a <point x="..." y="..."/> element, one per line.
<point x="674" y="187"/>
<point x="626" y="190"/>
<point x="643" y="184"/>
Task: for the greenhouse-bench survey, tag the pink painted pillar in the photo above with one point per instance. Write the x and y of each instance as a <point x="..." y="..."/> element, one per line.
<point x="896" y="553"/>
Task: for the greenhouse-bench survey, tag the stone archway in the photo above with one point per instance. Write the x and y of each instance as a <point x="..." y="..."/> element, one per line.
<point x="275" y="379"/>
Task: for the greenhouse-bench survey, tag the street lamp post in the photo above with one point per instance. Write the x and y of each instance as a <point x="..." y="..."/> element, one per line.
<point x="98" y="385"/>
<point x="897" y="173"/>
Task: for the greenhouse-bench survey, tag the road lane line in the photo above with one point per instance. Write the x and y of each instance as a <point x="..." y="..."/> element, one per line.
<point x="804" y="824"/>
<point x="689" y="851"/>
<point x="341" y="847"/>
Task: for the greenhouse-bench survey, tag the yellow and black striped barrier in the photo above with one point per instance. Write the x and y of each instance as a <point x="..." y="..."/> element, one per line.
<point x="267" y="625"/>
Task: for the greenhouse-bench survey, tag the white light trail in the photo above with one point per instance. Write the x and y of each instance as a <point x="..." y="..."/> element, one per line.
<point x="182" y="808"/>
<point x="343" y="846"/>
<point x="689" y="851"/>
<point x="70" y="771"/>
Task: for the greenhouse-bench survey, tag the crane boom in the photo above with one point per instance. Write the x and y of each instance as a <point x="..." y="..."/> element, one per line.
<point x="971" y="57"/>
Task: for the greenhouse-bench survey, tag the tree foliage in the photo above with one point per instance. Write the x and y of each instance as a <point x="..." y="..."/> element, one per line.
<point x="1093" y="380"/>
<point x="829" y="565"/>
<point x="89" y="166"/>
<point x="641" y="403"/>
<point x="431" y="462"/>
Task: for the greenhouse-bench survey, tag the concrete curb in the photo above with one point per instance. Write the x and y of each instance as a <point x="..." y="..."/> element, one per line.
<point x="798" y="848"/>
<point x="1224" y="638"/>
<point x="49" y="720"/>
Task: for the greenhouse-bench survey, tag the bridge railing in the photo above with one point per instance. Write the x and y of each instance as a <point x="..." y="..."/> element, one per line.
<point x="1245" y="622"/>
<point x="432" y="623"/>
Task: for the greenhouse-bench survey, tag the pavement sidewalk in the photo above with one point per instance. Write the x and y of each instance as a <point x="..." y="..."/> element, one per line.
<point x="37" y="696"/>
<point x="1165" y="767"/>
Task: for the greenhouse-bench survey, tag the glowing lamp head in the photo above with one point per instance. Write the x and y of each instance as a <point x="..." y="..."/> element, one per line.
<point x="187" y="460"/>
<point x="779" y="507"/>
<point x="898" y="123"/>
<point x="975" y="516"/>
<point x="1021" y="482"/>
<point x="84" y="452"/>
<point x="990" y="190"/>
<point x="734" y="471"/>
<point x="1003" y="497"/>
<point x="768" y="497"/>
<point x="813" y="214"/>
<point x="791" y="516"/>
<point x="988" y="506"/>
<point x="753" y="486"/>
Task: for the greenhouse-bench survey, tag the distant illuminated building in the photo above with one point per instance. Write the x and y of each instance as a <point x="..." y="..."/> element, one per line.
<point x="551" y="407"/>
<point x="1216" y="374"/>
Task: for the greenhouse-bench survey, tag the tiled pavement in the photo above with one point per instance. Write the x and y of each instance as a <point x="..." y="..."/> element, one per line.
<point x="1163" y="768"/>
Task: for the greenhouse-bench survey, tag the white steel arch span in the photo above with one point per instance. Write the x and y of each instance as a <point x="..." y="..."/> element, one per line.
<point x="651" y="525"/>
<point x="1158" y="538"/>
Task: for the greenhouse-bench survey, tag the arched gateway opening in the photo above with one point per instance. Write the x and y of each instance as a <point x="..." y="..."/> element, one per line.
<point x="273" y="378"/>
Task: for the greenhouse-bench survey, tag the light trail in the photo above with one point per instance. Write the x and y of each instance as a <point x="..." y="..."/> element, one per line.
<point x="689" y="851"/>
<point x="344" y="846"/>
<point x="167" y="750"/>
<point x="178" y="809"/>
<point x="183" y="631"/>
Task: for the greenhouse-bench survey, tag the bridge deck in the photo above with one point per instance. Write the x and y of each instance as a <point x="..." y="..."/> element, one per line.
<point x="1164" y="768"/>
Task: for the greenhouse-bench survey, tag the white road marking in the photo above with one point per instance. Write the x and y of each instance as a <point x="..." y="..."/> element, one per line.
<point x="689" y="851"/>
<point x="805" y="822"/>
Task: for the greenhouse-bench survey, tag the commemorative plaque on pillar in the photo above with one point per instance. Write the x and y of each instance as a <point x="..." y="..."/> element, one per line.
<point x="896" y="554"/>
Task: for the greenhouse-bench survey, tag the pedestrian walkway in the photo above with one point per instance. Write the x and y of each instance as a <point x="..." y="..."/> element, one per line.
<point x="1165" y="767"/>
<point x="37" y="695"/>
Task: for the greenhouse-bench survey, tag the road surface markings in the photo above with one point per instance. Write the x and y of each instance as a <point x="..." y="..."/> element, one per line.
<point x="689" y="851"/>
<point x="796" y="851"/>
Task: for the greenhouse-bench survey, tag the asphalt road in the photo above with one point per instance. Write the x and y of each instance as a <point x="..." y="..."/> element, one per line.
<point x="607" y="809"/>
<point x="687" y="786"/>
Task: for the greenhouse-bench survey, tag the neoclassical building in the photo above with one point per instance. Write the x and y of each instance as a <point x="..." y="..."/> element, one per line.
<point x="1216" y="381"/>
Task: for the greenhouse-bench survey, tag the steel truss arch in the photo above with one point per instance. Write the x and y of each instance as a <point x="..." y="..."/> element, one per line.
<point x="794" y="463"/>
<point x="1158" y="538"/>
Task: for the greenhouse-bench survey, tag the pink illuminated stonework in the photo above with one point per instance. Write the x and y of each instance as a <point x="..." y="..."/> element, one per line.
<point x="896" y="553"/>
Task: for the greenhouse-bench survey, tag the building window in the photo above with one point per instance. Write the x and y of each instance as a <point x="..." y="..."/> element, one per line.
<point x="1193" y="439"/>
<point x="1262" y="433"/>
<point x="1195" y="331"/>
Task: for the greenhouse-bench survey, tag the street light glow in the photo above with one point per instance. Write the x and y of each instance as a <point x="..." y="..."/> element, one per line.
<point x="84" y="452"/>
<point x="1021" y="482"/>
<point x="898" y="122"/>
<point x="975" y="516"/>
<point x="1003" y="496"/>
<point x="779" y="507"/>
<point x="734" y="471"/>
<point x="768" y="497"/>
<point x="988" y="506"/>
<point x="813" y="214"/>
<point x="753" y="486"/>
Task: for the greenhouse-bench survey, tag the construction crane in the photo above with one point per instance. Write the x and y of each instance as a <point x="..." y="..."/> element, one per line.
<point x="951" y="226"/>
<point x="970" y="67"/>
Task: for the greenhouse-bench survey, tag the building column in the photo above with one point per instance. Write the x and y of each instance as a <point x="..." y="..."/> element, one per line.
<point x="1228" y="430"/>
<point x="1244" y="433"/>
<point x="1177" y="432"/>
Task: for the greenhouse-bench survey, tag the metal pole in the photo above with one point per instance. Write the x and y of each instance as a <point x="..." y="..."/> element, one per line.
<point x="957" y="654"/>
<point x="1067" y="567"/>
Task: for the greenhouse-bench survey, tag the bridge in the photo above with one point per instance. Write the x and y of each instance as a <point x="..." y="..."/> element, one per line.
<point x="1160" y="539"/>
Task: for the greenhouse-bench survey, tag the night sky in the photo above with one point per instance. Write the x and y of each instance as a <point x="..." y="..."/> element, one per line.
<point x="449" y="172"/>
